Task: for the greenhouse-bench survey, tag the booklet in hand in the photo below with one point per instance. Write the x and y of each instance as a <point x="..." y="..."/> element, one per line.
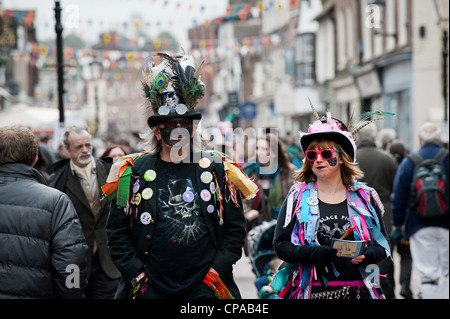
<point x="348" y="248"/>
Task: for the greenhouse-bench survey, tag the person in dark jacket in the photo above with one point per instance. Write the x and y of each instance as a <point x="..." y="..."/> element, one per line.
<point x="43" y="253"/>
<point x="379" y="169"/>
<point x="176" y="225"/>
<point x="428" y="238"/>
<point x="81" y="178"/>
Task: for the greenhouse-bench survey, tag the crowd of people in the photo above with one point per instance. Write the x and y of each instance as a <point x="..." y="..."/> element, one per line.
<point x="170" y="221"/>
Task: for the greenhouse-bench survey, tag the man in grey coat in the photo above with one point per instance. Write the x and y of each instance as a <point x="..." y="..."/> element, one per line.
<point x="43" y="253"/>
<point x="81" y="177"/>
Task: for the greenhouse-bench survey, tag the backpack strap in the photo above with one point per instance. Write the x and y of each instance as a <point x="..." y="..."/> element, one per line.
<point x="416" y="159"/>
<point x="441" y="156"/>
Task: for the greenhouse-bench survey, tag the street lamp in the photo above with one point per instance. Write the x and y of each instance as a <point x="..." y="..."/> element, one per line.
<point x="441" y="7"/>
<point x="60" y="68"/>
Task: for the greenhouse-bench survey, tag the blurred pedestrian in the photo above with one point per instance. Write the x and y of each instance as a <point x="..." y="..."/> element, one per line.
<point x="48" y="154"/>
<point x="62" y="152"/>
<point x="379" y="168"/>
<point x="294" y="151"/>
<point x="42" y="247"/>
<point x="398" y="150"/>
<point x="385" y="137"/>
<point x="274" y="174"/>
<point x="325" y="205"/>
<point x="81" y="178"/>
<point x="177" y="227"/>
<point x="113" y="152"/>
<point x="428" y="238"/>
<point x="42" y="164"/>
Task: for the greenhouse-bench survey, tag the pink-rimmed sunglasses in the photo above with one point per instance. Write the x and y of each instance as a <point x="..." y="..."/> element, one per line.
<point x="326" y="154"/>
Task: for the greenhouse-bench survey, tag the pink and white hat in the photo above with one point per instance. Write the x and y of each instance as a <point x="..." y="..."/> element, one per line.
<point x="330" y="129"/>
<point x="334" y="130"/>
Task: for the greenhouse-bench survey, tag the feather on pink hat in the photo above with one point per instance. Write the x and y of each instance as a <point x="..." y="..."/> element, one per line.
<point x="334" y="130"/>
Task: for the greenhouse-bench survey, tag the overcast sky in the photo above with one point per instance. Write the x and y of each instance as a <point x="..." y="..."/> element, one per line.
<point x="88" y="18"/>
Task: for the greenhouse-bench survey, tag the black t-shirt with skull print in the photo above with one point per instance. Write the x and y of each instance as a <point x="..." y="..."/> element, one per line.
<point x="333" y="223"/>
<point x="182" y="250"/>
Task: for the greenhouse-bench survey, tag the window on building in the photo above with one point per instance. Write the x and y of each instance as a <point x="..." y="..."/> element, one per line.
<point x="305" y="59"/>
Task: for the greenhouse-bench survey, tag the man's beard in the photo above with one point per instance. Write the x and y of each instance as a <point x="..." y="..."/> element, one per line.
<point x="84" y="161"/>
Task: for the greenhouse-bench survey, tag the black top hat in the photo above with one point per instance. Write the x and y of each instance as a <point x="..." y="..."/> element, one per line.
<point x="173" y="88"/>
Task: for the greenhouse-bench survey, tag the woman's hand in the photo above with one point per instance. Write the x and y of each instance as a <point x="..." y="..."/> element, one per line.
<point x="251" y="215"/>
<point x="358" y="259"/>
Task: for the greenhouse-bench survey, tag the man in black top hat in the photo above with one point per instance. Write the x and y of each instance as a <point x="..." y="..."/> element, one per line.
<point x="177" y="226"/>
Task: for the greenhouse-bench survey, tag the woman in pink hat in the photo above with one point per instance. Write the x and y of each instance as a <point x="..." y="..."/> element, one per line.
<point x="326" y="205"/>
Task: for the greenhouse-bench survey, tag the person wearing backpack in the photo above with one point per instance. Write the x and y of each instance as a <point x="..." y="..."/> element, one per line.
<point x="414" y="200"/>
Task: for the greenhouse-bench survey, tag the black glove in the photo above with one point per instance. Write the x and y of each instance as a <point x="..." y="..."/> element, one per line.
<point x="374" y="254"/>
<point x="322" y="255"/>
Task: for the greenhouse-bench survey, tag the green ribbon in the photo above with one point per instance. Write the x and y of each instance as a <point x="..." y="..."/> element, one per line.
<point x="123" y="187"/>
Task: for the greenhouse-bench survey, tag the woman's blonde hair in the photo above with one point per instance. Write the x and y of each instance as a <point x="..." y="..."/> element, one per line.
<point x="350" y="171"/>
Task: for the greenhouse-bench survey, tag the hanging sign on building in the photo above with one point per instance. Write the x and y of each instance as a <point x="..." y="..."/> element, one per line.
<point x="248" y="111"/>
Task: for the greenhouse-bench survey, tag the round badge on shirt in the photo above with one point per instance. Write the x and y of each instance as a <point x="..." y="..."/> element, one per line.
<point x="312" y="201"/>
<point x="188" y="196"/>
<point x="204" y="162"/>
<point x="146" y="218"/>
<point x="206" y="177"/>
<point x="205" y="195"/>
<point x="147" y="193"/>
<point x="150" y="175"/>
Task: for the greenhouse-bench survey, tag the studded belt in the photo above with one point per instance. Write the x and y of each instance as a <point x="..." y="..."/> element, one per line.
<point x="337" y="293"/>
<point x="334" y="294"/>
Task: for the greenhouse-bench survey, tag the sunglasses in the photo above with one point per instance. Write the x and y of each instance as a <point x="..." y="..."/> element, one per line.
<point x="172" y="124"/>
<point x="326" y="154"/>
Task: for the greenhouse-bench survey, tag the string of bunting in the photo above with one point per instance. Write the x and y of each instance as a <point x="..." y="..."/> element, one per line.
<point x="240" y="11"/>
<point x="213" y="50"/>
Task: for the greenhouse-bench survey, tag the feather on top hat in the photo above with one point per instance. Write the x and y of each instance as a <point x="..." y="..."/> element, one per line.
<point x="173" y="88"/>
<point x="334" y="130"/>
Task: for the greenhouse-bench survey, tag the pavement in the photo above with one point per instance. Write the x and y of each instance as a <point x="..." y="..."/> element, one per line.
<point x="245" y="278"/>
